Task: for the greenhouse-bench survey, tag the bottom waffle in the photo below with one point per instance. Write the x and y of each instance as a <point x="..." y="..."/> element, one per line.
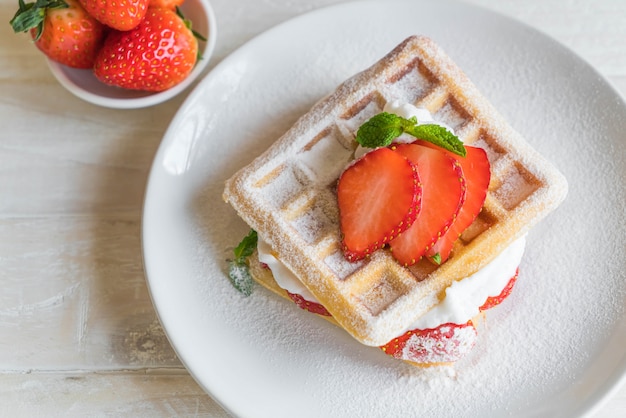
<point x="432" y="351"/>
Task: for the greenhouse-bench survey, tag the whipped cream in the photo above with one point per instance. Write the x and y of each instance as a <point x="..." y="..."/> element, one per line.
<point x="462" y="299"/>
<point x="282" y="275"/>
<point x="407" y="111"/>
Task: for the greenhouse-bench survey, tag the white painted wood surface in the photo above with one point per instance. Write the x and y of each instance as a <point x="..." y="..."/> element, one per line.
<point x="78" y="333"/>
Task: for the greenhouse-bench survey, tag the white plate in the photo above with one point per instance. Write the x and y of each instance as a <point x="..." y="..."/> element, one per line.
<point x="555" y="348"/>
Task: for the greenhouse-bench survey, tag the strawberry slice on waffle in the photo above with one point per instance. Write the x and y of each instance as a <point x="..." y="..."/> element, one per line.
<point x="443" y="194"/>
<point x="477" y="172"/>
<point x="379" y="197"/>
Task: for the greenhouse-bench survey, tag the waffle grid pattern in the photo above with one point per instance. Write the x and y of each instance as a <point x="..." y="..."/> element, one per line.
<point x="376" y="299"/>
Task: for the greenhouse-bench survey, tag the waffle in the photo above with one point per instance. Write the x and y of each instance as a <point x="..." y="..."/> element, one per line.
<point x="264" y="277"/>
<point x="287" y="194"/>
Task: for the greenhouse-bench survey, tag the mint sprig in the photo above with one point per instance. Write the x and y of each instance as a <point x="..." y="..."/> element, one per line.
<point x="238" y="268"/>
<point x="383" y="128"/>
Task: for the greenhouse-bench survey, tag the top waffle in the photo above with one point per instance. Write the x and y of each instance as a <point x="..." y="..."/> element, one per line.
<point x="288" y="193"/>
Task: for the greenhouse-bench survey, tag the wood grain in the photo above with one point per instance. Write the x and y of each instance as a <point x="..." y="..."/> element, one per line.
<point x="121" y="394"/>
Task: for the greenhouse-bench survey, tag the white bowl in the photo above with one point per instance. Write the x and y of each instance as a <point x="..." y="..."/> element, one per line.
<point x="83" y="84"/>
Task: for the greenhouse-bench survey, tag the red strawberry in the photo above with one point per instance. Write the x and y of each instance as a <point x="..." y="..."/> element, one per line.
<point x="496" y="300"/>
<point x="166" y="4"/>
<point x="378" y="197"/>
<point x="117" y="14"/>
<point x="158" y="54"/>
<point x="313" y="307"/>
<point x="62" y="30"/>
<point x="443" y="193"/>
<point x="477" y="172"/>
<point x="445" y="344"/>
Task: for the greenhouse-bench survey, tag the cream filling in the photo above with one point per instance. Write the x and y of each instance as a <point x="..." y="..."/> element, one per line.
<point x="462" y="300"/>
<point x="465" y="297"/>
<point x="282" y="275"/>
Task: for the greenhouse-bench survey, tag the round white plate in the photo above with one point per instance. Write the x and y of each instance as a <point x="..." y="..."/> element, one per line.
<point x="554" y="348"/>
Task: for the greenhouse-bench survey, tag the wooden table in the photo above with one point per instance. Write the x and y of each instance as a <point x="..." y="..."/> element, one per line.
<point x="78" y="333"/>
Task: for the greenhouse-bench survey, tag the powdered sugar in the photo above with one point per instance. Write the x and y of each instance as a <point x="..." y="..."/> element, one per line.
<point x="548" y="349"/>
<point x="445" y="344"/>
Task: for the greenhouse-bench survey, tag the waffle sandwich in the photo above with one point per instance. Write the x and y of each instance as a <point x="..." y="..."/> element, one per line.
<point x="288" y="194"/>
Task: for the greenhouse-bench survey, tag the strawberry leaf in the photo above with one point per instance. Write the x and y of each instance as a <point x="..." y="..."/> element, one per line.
<point x="32" y="15"/>
<point x="195" y="33"/>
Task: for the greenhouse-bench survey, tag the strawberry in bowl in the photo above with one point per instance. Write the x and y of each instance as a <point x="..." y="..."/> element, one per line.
<point x="157" y="54"/>
<point x="62" y="30"/>
<point x="104" y="78"/>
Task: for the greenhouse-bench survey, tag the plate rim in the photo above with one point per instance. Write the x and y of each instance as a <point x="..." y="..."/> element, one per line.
<point x="597" y="399"/>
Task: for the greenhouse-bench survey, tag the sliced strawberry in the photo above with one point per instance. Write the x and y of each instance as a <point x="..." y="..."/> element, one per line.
<point x="443" y="193"/>
<point x="477" y="172"/>
<point x="496" y="300"/>
<point x="378" y="198"/>
<point x="445" y="344"/>
<point x="313" y="307"/>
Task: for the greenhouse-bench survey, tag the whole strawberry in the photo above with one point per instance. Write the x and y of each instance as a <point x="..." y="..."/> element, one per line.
<point x="166" y="4"/>
<point x="117" y="14"/>
<point x="155" y="56"/>
<point x="62" y="30"/>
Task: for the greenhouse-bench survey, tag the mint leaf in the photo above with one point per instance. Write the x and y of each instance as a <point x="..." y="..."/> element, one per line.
<point x="239" y="275"/>
<point x="380" y="130"/>
<point x="383" y="128"/>
<point x="238" y="269"/>
<point x="439" y="136"/>
<point x="246" y="247"/>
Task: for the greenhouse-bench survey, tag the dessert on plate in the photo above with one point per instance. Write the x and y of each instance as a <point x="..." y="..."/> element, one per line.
<point x="397" y="207"/>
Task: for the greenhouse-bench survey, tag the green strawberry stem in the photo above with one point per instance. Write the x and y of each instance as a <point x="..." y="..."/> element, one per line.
<point x="189" y="25"/>
<point x="32" y="15"/>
